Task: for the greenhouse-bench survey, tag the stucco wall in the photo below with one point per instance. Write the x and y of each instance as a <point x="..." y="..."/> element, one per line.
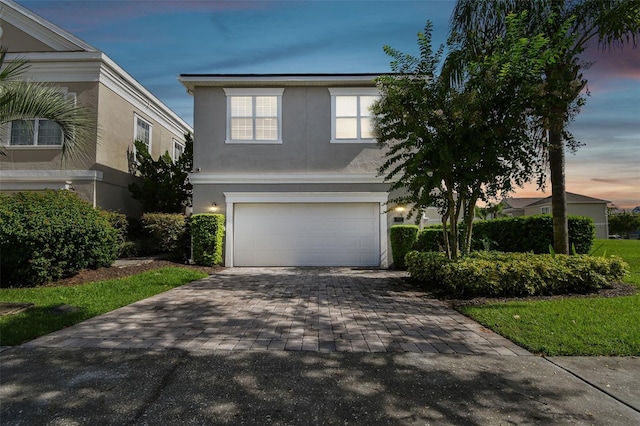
<point x="596" y="211"/>
<point x="306" y="135"/>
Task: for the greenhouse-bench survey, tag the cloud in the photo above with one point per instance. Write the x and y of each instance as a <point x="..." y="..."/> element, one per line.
<point x="615" y="63"/>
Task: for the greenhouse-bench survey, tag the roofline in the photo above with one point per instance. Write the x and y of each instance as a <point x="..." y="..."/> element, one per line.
<point x="107" y="67"/>
<point x="69" y="41"/>
<point x="190" y="81"/>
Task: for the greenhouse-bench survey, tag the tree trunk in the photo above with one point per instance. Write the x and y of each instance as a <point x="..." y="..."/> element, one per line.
<point x="558" y="192"/>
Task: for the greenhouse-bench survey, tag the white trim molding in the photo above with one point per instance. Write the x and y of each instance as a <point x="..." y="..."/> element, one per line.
<point x="233" y="198"/>
<point x="283" y="178"/>
<point x="23" y="180"/>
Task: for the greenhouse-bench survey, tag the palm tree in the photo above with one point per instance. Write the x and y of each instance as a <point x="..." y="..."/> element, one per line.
<point x="22" y="100"/>
<point x="611" y="23"/>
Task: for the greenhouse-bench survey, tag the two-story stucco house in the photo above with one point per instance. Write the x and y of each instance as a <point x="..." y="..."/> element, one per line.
<point x="291" y="161"/>
<point x="124" y="111"/>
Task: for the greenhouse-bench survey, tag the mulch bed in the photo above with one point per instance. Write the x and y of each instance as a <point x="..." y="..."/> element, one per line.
<point x="103" y="274"/>
<point x="616" y="290"/>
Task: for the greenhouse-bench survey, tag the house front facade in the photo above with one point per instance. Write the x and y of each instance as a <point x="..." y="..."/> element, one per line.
<point x="124" y="111"/>
<point x="291" y="162"/>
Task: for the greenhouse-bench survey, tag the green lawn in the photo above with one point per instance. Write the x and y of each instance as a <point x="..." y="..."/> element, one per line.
<point x="573" y="326"/>
<point x="91" y="299"/>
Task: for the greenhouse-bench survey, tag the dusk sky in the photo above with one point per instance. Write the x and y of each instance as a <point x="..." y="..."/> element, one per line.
<point x="155" y="41"/>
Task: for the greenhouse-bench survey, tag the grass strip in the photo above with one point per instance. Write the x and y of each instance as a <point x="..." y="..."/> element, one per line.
<point x="573" y="326"/>
<point x="88" y="300"/>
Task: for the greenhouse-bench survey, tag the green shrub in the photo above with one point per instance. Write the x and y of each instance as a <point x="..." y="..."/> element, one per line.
<point x="49" y="235"/>
<point x="530" y="234"/>
<point x="403" y="237"/>
<point x="166" y="231"/>
<point x="515" y="274"/>
<point x="429" y="239"/>
<point x="119" y="222"/>
<point x="426" y="266"/>
<point x="207" y="234"/>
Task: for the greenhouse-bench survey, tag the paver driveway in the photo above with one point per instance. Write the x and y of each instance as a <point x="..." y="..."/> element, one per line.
<point x="296" y="309"/>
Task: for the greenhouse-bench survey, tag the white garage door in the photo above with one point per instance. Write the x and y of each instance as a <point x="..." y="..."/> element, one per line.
<point x="307" y="234"/>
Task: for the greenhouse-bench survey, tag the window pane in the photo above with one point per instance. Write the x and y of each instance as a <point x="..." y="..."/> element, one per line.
<point x="49" y="133"/>
<point x="22" y="132"/>
<point x="241" y="128"/>
<point x="366" y="132"/>
<point x="178" y="150"/>
<point x="346" y="128"/>
<point x="365" y="104"/>
<point x="346" y="106"/>
<point x="266" y="106"/>
<point x="143" y="131"/>
<point x="241" y="106"/>
<point x="266" y="129"/>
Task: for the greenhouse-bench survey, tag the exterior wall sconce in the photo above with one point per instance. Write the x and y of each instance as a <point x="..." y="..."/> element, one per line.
<point x="214" y="207"/>
<point x="399" y="209"/>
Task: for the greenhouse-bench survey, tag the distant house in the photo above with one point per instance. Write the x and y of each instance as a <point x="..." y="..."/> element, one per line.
<point x="125" y="111"/>
<point x="579" y="205"/>
<point x="636" y="210"/>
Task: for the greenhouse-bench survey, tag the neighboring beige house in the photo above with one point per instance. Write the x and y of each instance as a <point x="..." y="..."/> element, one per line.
<point x="125" y="111"/>
<point x="578" y="205"/>
<point x="291" y="161"/>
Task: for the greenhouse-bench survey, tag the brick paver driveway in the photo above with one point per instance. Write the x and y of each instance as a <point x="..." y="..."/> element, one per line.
<point x="296" y="309"/>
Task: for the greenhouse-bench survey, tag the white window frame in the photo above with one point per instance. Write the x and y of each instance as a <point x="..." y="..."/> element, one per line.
<point x="5" y="131"/>
<point x="545" y="210"/>
<point x="182" y="145"/>
<point x="137" y="117"/>
<point x="351" y="91"/>
<point x="35" y="136"/>
<point x="231" y="92"/>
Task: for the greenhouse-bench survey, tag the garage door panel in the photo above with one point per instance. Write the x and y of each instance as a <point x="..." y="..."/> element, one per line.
<point x="313" y="234"/>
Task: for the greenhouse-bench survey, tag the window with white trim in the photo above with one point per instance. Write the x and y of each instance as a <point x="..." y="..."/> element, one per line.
<point x="254" y="115"/>
<point x="545" y="210"/>
<point x="37" y="131"/>
<point x="351" y="118"/>
<point x="178" y="149"/>
<point x="142" y="131"/>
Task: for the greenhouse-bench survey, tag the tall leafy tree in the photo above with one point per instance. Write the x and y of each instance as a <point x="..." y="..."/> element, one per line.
<point x="449" y="146"/>
<point x="22" y="99"/>
<point x="610" y="23"/>
<point x="164" y="187"/>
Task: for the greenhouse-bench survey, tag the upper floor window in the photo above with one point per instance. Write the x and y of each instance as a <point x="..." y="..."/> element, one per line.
<point x="351" y="119"/>
<point x="178" y="149"/>
<point x="35" y="132"/>
<point x="254" y="115"/>
<point x="142" y="131"/>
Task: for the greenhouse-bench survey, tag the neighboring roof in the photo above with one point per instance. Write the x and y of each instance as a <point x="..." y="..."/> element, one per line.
<point x="519" y="203"/>
<point x="41" y="29"/>
<point x="74" y="60"/>
<point x="571" y="198"/>
<point x="254" y="80"/>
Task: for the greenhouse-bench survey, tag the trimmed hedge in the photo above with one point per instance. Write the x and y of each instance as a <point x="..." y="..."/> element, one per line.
<point x="50" y="235"/>
<point x="531" y="234"/>
<point x="403" y="237"/>
<point x="429" y="239"/>
<point x="515" y="274"/>
<point x="166" y="231"/>
<point x="207" y="235"/>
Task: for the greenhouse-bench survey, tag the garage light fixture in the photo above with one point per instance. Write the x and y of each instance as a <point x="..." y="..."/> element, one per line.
<point x="214" y="207"/>
<point x="399" y="209"/>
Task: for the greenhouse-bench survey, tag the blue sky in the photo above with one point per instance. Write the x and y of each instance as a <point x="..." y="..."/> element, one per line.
<point x="155" y="41"/>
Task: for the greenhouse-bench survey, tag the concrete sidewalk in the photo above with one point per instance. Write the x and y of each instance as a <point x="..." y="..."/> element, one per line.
<point x="58" y="386"/>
